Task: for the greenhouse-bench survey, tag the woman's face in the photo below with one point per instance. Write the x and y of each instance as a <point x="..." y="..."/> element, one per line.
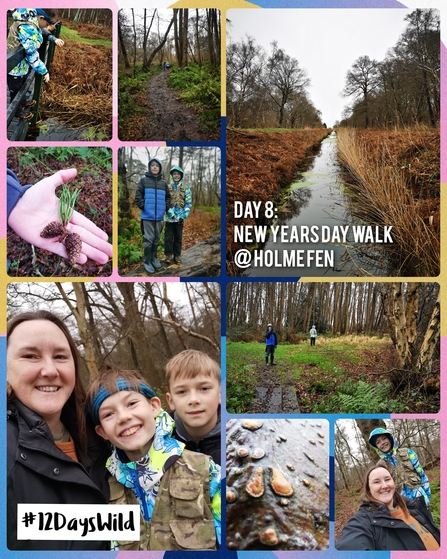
<point x="40" y="367"/>
<point x="381" y="486"/>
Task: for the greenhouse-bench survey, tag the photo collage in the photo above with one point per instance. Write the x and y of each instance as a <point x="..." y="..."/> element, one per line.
<point x="223" y="279"/>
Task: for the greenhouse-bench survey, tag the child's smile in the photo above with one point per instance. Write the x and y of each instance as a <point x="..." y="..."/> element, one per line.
<point x="128" y="422"/>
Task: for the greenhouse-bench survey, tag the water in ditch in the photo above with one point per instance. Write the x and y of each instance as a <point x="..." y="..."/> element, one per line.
<point x="316" y="235"/>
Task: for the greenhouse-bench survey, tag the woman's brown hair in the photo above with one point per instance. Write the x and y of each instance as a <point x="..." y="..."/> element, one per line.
<point x="77" y="397"/>
<point x="398" y="500"/>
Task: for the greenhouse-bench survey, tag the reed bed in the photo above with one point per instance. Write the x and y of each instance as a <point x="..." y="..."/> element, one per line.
<point x="259" y="165"/>
<point x="80" y="91"/>
<point x="393" y="180"/>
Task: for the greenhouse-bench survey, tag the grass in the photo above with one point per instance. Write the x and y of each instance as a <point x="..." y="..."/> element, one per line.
<point x="340" y="374"/>
<point x="241" y="382"/>
<point x="393" y="179"/>
<point x="68" y="34"/>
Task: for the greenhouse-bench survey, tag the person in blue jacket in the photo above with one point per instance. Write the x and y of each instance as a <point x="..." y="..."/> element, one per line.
<point x="411" y="480"/>
<point x="270" y="345"/>
<point x="153" y="199"/>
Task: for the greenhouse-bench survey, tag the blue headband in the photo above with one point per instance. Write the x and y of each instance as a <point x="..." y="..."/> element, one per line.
<point x="121" y="384"/>
<point x="44" y="14"/>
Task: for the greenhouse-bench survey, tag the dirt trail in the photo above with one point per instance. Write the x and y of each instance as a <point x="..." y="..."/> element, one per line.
<point x="272" y="394"/>
<point x="169" y="118"/>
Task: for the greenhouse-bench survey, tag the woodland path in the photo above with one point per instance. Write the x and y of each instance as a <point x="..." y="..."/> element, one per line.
<point x="169" y="118"/>
<point x="272" y="395"/>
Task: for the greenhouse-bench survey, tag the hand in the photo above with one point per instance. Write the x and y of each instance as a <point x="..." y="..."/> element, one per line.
<point x="39" y="206"/>
<point x="59" y="42"/>
<point x="46" y="77"/>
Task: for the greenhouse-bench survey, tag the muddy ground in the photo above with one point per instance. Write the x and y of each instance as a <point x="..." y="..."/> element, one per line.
<point x="170" y="119"/>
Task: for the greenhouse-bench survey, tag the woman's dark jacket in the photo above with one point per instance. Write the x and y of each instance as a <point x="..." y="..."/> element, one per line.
<point x="377" y="529"/>
<point x="39" y="472"/>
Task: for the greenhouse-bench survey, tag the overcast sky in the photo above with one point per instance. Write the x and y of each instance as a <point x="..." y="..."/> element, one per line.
<point x="325" y="42"/>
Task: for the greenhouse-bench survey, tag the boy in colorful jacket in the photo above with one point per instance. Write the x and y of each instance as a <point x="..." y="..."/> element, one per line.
<point x="181" y="202"/>
<point x="178" y="491"/>
<point x="26" y="31"/>
<point x="409" y="476"/>
<point x="153" y="199"/>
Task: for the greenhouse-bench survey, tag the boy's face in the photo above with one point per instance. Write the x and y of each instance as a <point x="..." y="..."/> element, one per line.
<point x="196" y="401"/>
<point x="383" y="443"/>
<point x="155" y="168"/>
<point x="128" y="422"/>
<point x="43" y="23"/>
<point x="176" y="176"/>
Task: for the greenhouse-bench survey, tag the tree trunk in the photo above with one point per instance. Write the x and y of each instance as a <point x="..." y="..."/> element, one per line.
<point x="365" y="427"/>
<point x="400" y="326"/>
<point x="123" y="47"/>
<point x="430" y="341"/>
<point x="160" y="46"/>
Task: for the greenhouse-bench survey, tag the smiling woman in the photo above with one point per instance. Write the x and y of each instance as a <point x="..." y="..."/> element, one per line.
<point x="54" y="455"/>
<point x="388" y="521"/>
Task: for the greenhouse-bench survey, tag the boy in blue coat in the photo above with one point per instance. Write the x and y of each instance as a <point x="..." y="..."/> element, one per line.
<point x="153" y="199"/>
<point x="270" y="344"/>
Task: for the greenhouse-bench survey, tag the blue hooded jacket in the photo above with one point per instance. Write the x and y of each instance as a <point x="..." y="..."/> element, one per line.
<point x="152" y="195"/>
<point x="392" y="456"/>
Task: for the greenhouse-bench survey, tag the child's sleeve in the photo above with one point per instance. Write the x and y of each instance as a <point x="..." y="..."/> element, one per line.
<point x="29" y="38"/>
<point x="420" y="472"/>
<point x="48" y="35"/>
<point x="215" y="496"/>
<point x="14" y="190"/>
<point x="139" y="195"/>
<point x="188" y="203"/>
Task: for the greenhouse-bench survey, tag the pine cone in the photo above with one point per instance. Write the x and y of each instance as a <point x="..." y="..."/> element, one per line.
<point x="73" y="246"/>
<point x="53" y="229"/>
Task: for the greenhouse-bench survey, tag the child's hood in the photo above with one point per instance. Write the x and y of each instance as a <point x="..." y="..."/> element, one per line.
<point x="176" y="168"/>
<point x="26" y="15"/>
<point x="373" y="437"/>
<point x="149" y="173"/>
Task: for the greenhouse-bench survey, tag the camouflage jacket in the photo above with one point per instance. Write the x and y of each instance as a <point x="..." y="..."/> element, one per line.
<point x="182" y="517"/>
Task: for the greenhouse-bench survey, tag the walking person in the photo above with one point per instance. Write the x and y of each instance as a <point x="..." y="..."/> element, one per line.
<point x="313" y="335"/>
<point x="270" y="345"/>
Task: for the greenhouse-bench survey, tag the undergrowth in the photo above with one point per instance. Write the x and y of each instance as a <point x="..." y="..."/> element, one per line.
<point x="392" y="179"/>
<point x="361" y="397"/>
<point x="131" y="95"/>
<point x="200" y="87"/>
